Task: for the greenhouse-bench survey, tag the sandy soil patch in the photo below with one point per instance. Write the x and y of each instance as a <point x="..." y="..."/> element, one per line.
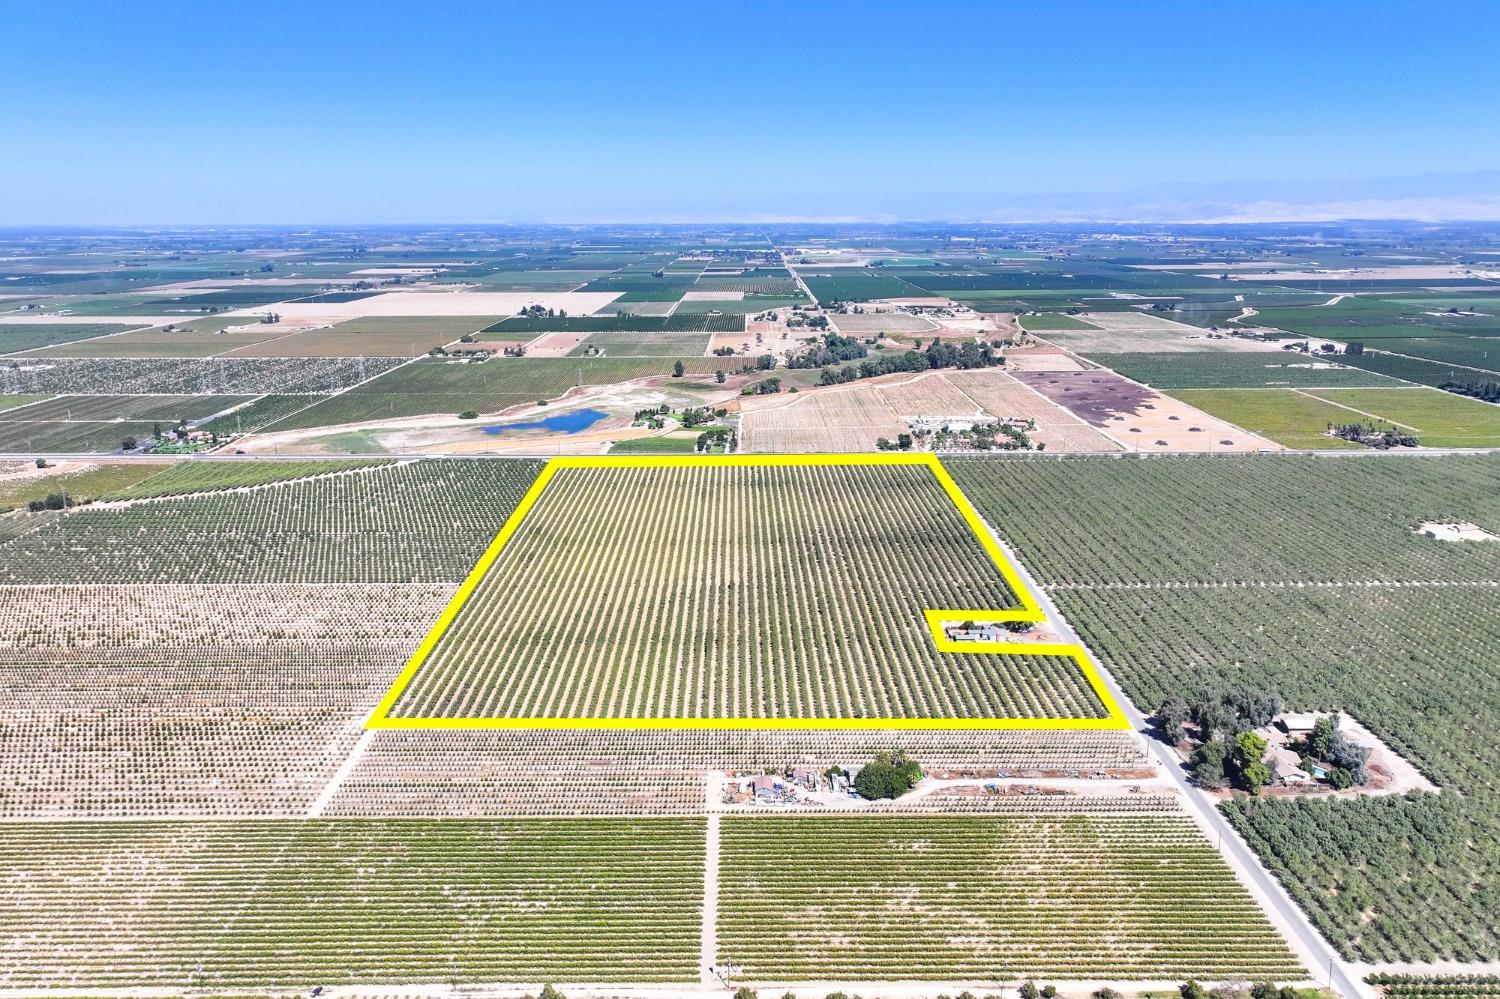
<point x="868" y="323"/>
<point x="1041" y="357"/>
<point x="1140" y="418"/>
<point x="759" y="338"/>
<point x="556" y="344"/>
<point x="441" y="303"/>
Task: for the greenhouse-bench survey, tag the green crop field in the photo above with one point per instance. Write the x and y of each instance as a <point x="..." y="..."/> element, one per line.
<point x="645" y="344"/>
<point x="256" y="903"/>
<point x="80" y="486"/>
<point x="755" y="592"/>
<point x="1236" y="369"/>
<point x="324" y="529"/>
<point x="491" y="386"/>
<point x="1472" y="352"/>
<point x="655" y="445"/>
<point x="1304" y="576"/>
<point x="1286" y="416"/>
<point x="1439" y="419"/>
<point x="850" y="284"/>
<point x="207" y="476"/>
<point x="986" y="899"/>
<point x="29" y="336"/>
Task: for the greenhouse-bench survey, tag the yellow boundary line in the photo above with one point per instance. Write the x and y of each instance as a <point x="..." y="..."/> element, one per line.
<point x="1029" y="611"/>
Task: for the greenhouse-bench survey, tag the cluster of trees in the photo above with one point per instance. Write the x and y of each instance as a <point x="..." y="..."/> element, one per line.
<point x="903" y="443"/>
<point x="1485" y="391"/>
<point x="717" y="437"/>
<point x="1347" y="762"/>
<point x="54" y="501"/>
<point x="939" y="354"/>
<point x="766" y="386"/>
<point x="1370" y="435"/>
<point x="889" y="775"/>
<point x="833" y="350"/>
<point x="1228" y="753"/>
<point x="537" y="312"/>
<point x="1190" y="989"/>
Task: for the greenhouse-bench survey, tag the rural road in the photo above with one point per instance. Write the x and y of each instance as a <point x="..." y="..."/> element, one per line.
<point x="1324" y="963"/>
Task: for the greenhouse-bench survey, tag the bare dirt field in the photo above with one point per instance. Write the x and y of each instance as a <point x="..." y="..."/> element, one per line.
<point x="867" y="323"/>
<point x="1140" y="418"/>
<point x="841" y="418"/>
<point x="1005" y="397"/>
<point x="1125" y="332"/>
<point x="554" y="344"/>
<point x="851" y="417"/>
<point x="1041" y="357"/>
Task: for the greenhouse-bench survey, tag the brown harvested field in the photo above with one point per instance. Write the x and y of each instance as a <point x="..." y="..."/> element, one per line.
<point x="1041" y="357"/>
<point x="929" y="395"/>
<point x="1004" y="397"/>
<point x="869" y="323"/>
<point x="1140" y="418"/>
<point x="554" y="344"/>
<point x="839" y="419"/>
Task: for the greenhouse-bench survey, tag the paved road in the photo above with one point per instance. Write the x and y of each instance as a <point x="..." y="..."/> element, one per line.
<point x="1323" y="961"/>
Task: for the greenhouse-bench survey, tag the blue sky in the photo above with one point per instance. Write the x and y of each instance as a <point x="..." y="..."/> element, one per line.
<point x="368" y="112"/>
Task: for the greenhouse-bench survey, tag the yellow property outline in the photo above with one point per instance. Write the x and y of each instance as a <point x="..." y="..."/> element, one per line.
<point x="1029" y="611"/>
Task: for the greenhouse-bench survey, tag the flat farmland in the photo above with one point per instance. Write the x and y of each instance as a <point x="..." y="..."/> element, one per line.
<point x="1004" y="397"/>
<point x="645" y="344"/>
<point x="1440" y="419"/>
<point x="1248" y="369"/>
<point x="731" y="322"/>
<point x="1126" y="332"/>
<point x="868" y="323"/>
<point x="16" y="337"/>
<point x="987" y="899"/>
<point x="648" y="590"/>
<point x="1139" y="418"/>
<point x="1286" y="416"/>
<point x="427" y="387"/>
<point x="840" y="419"/>
<point x="192" y="338"/>
<point x="275" y="903"/>
<point x="1054" y="321"/>
<point x="108" y="408"/>
<point x="854" y="285"/>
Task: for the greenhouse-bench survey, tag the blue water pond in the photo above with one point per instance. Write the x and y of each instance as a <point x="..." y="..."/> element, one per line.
<point x="568" y="423"/>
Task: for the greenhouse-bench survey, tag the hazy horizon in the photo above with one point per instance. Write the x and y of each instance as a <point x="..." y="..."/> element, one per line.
<point x="333" y="113"/>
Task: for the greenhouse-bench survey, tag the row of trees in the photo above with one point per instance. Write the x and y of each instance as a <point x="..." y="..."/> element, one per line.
<point x="1190" y="989"/>
<point x="1485" y="391"/>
